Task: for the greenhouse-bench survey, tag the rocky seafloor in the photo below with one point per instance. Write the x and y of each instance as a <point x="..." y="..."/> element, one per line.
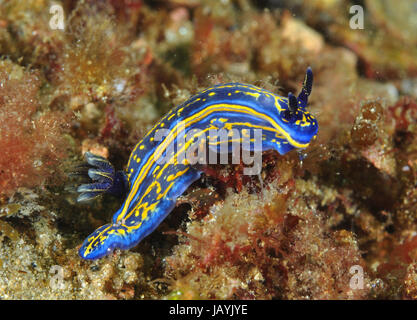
<point x="300" y="231"/>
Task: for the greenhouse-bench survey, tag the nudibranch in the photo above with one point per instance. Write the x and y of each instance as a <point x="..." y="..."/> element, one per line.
<point x="151" y="186"/>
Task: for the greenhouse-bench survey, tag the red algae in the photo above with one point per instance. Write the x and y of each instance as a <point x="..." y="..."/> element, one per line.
<point x="31" y="141"/>
<point x="266" y="253"/>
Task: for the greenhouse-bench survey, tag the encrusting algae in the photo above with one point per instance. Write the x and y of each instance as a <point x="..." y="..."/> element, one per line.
<point x="300" y="230"/>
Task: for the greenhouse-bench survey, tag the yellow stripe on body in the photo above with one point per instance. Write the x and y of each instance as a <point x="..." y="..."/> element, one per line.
<point x="189" y="121"/>
<point x="178" y="174"/>
<point x="89" y="247"/>
<point x="254" y="88"/>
